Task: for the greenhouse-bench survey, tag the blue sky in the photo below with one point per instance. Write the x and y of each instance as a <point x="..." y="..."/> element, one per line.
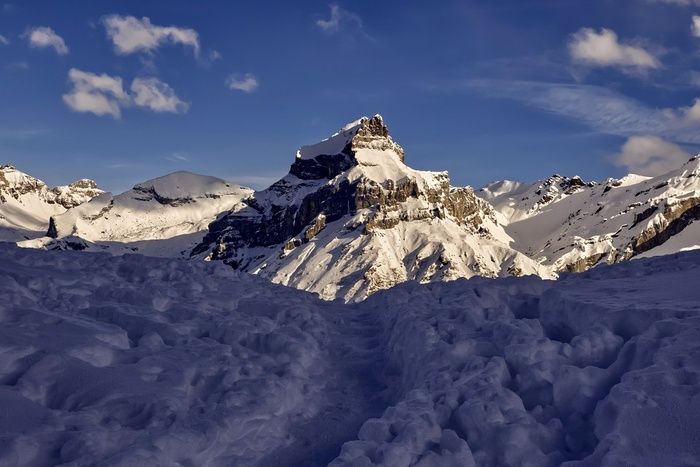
<point x="490" y="89"/>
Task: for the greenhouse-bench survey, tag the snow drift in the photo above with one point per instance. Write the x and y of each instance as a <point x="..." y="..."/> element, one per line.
<point x="121" y="361"/>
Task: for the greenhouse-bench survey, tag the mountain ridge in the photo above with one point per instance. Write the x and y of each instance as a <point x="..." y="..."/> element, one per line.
<point x="351" y="218"/>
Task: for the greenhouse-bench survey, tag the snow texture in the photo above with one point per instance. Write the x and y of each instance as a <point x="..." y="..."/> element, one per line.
<point x="122" y="361"/>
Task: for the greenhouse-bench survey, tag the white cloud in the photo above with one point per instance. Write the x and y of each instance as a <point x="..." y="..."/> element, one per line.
<point x="157" y="96"/>
<point x="105" y="95"/>
<point x="131" y="35"/>
<point x="97" y="94"/>
<point x="246" y="83"/>
<point x="339" y="18"/>
<point x="650" y="155"/>
<point x="604" y="49"/>
<point x="42" y="37"/>
<point x="695" y="27"/>
<point x="3" y="40"/>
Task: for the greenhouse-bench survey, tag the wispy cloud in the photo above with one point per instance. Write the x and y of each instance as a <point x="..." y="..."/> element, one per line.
<point x="650" y="155"/>
<point x="17" y="66"/>
<point x="42" y="37"/>
<point x="599" y="108"/>
<point x="340" y="19"/>
<point x="132" y="35"/>
<point x="603" y="49"/>
<point x="246" y="83"/>
<point x="177" y="157"/>
<point x="105" y="95"/>
<point x="22" y="133"/>
<point x="4" y="40"/>
<point x="157" y="96"/>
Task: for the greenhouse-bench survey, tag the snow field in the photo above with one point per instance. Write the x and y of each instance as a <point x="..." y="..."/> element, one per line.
<point x="131" y="360"/>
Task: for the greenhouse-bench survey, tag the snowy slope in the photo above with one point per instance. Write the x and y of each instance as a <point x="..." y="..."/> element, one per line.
<point x="27" y="203"/>
<point x="166" y="216"/>
<point x="572" y="225"/>
<point x="122" y="361"/>
<point x="352" y="218"/>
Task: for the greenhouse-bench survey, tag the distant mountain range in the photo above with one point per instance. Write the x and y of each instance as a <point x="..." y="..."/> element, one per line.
<point x="351" y="218"/>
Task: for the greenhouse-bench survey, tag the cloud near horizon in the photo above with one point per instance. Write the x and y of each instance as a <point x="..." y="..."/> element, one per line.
<point x="603" y="49"/>
<point x="41" y="37"/>
<point x="132" y="35"/>
<point x="650" y="155"/>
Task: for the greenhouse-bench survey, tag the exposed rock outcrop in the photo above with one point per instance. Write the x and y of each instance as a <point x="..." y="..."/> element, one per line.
<point x="351" y="189"/>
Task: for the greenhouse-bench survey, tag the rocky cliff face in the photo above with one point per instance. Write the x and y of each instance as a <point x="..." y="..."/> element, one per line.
<point x="335" y="209"/>
<point x="15" y="184"/>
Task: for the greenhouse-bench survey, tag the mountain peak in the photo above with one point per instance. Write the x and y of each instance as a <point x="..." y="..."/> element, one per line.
<point x="366" y="136"/>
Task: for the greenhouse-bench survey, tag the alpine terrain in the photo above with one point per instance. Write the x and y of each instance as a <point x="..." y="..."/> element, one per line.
<point x="164" y="217"/>
<point x="571" y="225"/>
<point x="351" y="218"/>
<point x="26" y="203"/>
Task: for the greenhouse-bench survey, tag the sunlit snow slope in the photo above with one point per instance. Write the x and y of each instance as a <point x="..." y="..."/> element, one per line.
<point x="123" y="361"/>
<point x="27" y="203"/>
<point x="572" y="226"/>
<point x="166" y="216"/>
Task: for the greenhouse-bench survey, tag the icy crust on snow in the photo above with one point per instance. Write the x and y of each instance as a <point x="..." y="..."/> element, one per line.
<point x="597" y="369"/>
<point x="121" y="361"/>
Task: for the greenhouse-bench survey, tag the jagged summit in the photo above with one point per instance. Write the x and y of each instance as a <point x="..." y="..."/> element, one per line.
<point x="26" y="203"/>
<point x="344" y="149"/>
<point x="351" y="218"/>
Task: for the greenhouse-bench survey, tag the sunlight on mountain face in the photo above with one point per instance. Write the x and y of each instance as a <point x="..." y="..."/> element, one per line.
<point x="394" y="290"/>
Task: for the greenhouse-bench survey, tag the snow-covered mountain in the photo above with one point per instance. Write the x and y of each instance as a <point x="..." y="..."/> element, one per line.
<point x="27" y="203"/>
<point x="352" y="218"/>
<point x="571" y="225"/>
<point x="166" y="216"/>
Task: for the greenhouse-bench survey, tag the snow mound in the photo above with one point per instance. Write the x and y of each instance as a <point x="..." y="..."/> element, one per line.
<point x="186" y="185"/>
<point x="132" y="360"/>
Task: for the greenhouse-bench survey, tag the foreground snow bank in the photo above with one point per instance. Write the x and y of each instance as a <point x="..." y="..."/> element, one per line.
<point x="597" y="369"/>
<point x="142" y="361"/>
<point x="138" y="361"/>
